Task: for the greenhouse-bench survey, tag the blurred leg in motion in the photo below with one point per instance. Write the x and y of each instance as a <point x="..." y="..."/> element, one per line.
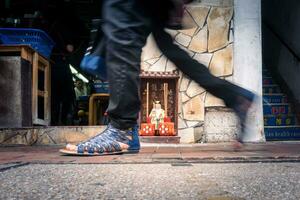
<point x="235" y="97"/>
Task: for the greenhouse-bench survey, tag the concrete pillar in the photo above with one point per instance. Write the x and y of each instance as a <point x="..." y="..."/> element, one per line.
<point x="248" y="60"/>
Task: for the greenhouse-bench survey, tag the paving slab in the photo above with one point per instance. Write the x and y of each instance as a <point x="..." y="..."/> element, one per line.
<point x="160" y="153"/>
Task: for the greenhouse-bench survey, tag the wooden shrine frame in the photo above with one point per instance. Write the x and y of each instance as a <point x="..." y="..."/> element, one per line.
<point x="174" y="75"/>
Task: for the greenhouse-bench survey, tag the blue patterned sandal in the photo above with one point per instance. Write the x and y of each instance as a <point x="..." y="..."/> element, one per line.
<point x="108" y="143"/>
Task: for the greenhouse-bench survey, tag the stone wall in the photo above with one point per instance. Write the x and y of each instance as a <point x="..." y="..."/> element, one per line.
<point x="48" y="135"/>
<point x="209" y="40"/>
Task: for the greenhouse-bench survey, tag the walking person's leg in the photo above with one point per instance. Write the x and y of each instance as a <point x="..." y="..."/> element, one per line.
<point x="126" y="36"/>
<point x="126" y="31"/>
<point x="235" y="97"/>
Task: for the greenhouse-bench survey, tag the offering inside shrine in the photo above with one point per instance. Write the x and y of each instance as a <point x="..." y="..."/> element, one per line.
<point x="157" y="114"/>
<point x="159" y="105"/>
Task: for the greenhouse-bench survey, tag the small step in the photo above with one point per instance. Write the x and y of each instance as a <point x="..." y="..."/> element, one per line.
<point x="265" y="69"/>
<point x="160" y="139"/>
<point x="282" y="133"/>
<point x="271" y="89"/>
<point x="280" y="120"/>
<point x="268" y="81"/>
<point x="276" y="109"/>
<point x="266" y="73"/>
<point x="275" y="98"/>
<point x="274" y="84"/>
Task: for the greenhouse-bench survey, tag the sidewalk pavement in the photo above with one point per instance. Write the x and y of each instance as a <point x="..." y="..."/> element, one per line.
<point x="159" y="153"/>
<point x="159" y="171"/>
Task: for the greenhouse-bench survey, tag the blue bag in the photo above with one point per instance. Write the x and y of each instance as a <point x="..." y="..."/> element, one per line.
<point x="93" y="61"/>
<point x="95" y="66"/>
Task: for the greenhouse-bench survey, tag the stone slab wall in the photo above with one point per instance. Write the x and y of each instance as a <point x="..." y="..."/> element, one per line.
<point x="48" y="135"/>
<point x="210" y="41"/>
<point x="220" y="125"/>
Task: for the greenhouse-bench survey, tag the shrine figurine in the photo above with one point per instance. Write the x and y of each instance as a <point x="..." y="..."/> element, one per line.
<point x="157" y="114"/>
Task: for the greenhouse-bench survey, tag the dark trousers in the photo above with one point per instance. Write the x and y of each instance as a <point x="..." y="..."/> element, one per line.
<point x="126" y="29"/>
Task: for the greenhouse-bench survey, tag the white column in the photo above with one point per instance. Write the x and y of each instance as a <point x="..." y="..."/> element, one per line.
<point x="248" y="60"/>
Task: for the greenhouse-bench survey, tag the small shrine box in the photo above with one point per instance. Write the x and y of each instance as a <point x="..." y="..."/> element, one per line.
<point x="147" y="129"/>
<point x="166" y="129"/>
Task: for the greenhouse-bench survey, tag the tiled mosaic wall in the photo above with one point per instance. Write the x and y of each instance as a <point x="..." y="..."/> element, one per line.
<point x="210" y="42"/>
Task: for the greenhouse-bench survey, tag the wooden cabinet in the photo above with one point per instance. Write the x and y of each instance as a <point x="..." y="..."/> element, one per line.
<point x="23" y="63"/>
<point x="41" y="96"/>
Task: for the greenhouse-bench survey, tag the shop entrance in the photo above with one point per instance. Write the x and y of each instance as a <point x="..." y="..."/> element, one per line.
<point x="68" y="24"/>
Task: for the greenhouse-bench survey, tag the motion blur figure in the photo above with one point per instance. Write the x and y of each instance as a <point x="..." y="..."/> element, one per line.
<point x="126" y="25"/>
